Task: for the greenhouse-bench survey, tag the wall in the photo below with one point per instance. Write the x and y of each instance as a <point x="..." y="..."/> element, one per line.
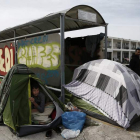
<point x="7" y="57"/>
<point x="42" y="55"/>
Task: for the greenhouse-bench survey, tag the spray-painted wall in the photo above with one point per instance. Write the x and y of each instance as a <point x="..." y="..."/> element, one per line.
<point x="7" y="57"/>
<point x="41" y="54"/>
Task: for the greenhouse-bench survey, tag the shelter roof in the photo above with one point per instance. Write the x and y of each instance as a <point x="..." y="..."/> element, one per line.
<point x="52" y="21"/>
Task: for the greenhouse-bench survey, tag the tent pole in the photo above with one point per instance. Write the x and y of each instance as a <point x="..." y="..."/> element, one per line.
<point x="62" y="27"/>
<point x="106" y="42"/>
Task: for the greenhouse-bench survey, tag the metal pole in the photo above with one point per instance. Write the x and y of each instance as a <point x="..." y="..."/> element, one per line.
<point x="32" y="35"/>
<point x="55" y="89"/>
<point x="62" y="29"/>
<point x="15" y="45"/>
<point x="106" y="42"/>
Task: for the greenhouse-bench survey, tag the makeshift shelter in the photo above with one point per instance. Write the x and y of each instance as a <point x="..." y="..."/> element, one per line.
<point x="109" y="87"/>
<point x="15" y="107"/>
<point x="75" y="18"/>
<point x="83" y="49"/>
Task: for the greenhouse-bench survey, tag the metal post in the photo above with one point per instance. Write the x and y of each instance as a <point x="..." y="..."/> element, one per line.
<point x="32" y="35"/>
<point x="62" y="29"/>
<point x="15" y="45"/>
<point x="121" y="56"/>
<point x="106" y="42"/>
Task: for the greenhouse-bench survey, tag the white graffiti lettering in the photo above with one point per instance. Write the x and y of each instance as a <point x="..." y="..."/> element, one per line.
<point x="45" y="56"/>
<point x="6" y="59"/>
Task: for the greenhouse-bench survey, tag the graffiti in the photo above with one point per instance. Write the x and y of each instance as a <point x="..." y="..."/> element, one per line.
<point x="45" y="56"/>
<point x="45" y="76"/>
<point x="35" y="40"/>
<point x="7" y="57"/>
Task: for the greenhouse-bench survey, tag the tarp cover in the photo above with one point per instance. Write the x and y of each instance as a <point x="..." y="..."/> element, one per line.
<point x="109" y="86"/>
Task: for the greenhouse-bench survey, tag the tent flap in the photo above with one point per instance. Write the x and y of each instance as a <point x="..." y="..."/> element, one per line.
<point x="18" y="109"/>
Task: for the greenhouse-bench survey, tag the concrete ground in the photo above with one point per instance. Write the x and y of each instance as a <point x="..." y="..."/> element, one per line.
<point x="93" y="130"/>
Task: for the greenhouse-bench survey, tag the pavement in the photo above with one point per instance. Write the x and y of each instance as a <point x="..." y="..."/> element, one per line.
<point x="94" y="129"/>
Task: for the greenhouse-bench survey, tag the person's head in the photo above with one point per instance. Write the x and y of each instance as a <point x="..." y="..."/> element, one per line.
<point x="35" y="89"/>
<point x="137" y="52"/>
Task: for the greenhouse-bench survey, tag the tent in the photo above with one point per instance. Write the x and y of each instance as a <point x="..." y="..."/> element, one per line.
<point x="0" y="80"/>
<point x="108" y="87"/>
<point x="15" y="107"/>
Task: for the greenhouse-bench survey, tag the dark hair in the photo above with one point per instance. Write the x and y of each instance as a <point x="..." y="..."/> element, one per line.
<point x="138" y="48"/>
<point x="34" y="85"/>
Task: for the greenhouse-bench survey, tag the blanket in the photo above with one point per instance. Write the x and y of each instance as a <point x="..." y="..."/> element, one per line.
<point x="43" y="118"/>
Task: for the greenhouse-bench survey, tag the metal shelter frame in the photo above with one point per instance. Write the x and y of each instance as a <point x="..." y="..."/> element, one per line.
<point x="60" y="22"/>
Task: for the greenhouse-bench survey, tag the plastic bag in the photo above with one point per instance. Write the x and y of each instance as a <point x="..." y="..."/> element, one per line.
<point x="71" y="107"/>
<point x="67" y="133"/>
<point x="73" y="120"/>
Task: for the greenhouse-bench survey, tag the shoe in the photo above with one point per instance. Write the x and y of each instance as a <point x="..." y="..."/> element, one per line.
<point x="57" y="130"/>
<point x="48" y="133"/>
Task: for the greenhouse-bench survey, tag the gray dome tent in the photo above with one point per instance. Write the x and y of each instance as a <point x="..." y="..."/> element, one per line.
<point x="15" y="107"/>
<point x="110" y="87"/>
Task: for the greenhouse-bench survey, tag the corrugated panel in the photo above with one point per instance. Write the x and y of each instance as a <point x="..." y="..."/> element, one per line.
<point x="73" y="13"/>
